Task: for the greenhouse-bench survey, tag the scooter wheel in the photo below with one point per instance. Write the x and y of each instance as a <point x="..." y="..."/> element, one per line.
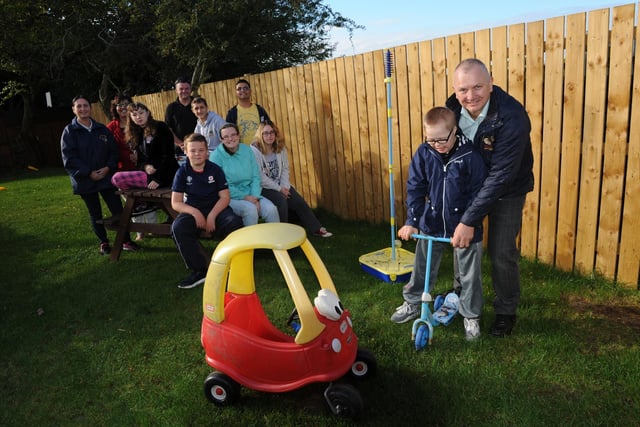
<point x="221" y="389"/>
<point x="344" y="401"/>
<point x="422" y="337"/>
<point x="365" y="364"/>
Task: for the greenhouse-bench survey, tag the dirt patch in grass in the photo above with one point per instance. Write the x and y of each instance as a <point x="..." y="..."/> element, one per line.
<point x="628" y="315"/>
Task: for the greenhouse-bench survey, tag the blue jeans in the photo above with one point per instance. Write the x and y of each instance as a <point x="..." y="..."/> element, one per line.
<point x="249" y="214"/>
<point x="505" y="221"/>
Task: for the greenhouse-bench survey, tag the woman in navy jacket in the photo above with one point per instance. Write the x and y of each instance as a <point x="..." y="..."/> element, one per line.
<point x="90" y="157"/>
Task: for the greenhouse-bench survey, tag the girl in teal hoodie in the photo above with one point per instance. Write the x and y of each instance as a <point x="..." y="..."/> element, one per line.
<point x="243" y="176"/>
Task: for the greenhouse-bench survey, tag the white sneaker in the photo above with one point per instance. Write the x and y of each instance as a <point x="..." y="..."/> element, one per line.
<point x="472" y="328"/>
<point x="406" y="312"/>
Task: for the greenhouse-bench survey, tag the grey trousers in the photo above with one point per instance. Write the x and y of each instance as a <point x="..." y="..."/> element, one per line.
<point x="469" y="261"/>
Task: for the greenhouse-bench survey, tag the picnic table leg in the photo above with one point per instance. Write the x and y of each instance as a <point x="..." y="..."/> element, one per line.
<point x="123" y="228"/>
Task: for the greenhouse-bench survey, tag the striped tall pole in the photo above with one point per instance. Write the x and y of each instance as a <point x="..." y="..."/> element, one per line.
<point x="388" y="66"/>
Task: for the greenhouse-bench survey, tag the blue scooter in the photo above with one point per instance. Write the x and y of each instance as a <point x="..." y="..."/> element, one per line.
<point x="422" y="331"/>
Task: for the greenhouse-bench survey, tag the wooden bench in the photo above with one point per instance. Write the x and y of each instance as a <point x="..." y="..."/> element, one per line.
<point x="160" y="197"/>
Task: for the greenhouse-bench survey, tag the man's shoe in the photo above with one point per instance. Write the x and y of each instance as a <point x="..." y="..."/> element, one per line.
<point x="503" y="325"/>
<point x="130" y="246"/>
<point x="406" y="312"/>
<point x="105" y="248"/>
<point x="194" y="279"/>
<point x="472" y="328"/>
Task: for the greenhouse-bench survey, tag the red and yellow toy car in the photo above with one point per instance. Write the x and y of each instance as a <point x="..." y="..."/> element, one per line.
<point x="246" y="349"/>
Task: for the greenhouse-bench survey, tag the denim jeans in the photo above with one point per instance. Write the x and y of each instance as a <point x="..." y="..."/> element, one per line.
<point x="505" y="221"/>
<point x="249" y="214"/>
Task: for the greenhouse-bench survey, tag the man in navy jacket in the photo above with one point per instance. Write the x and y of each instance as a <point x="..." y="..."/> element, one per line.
<point x="499" y="126"/>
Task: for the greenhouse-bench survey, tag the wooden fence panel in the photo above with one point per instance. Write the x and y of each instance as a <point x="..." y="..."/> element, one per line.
<point x="571" y="140"/>
<point x="483" y="46"/>
<point x="615" y="147"/>
<point x="352" y="141"/>
<point x="362" y="158"/>
<point x="262" y="92"/>
<point x="375" y="108"/>
<point x="629" y="262"/>
<point x="415" y="104"/>
<point x="591" y="167"/>
<point x="402" y="142"/>
<point x="426" y="84"/>
<point x="323" y="117"/>
<point x="499" y="57"/>
<point x="331" y="107"/>
<point x="534" y="74"/>
<point x="516" y="54"/>
<point x="467" y="48"/>
<point x="453" y="59"/>
<point x="312" y="142"/>
<point x="277" y="103"/>
<point x="341" y="123"/>
<point x="296" y="116"/>
<point x="551" y="143"/>
<point x="441" y="87"/>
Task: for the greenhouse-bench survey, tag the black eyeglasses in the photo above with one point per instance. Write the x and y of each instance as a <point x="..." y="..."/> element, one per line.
<point x="241" y="88"/>
<point x="268" y="132"/>
<point x="440" y="141"/>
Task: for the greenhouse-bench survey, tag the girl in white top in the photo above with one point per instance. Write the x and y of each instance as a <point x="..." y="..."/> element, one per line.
<point x="271" y="155"/>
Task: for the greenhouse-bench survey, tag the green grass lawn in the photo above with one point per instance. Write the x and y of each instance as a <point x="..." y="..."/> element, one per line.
<point x="86" y="341"/>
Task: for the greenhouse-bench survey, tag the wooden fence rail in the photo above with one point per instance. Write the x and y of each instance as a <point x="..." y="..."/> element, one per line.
<point x="579" y="79"/>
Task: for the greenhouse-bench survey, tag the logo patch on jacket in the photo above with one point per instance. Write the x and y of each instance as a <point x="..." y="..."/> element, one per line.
<point x="487" y="142"/>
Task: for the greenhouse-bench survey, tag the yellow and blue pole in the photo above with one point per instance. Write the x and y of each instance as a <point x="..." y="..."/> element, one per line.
<point x="388" y="66"/>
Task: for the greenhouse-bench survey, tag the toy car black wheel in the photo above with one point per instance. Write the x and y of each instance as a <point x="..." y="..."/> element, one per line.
<point x="422" y="337"/>
<point x="365" y="364"/>
<point x="344" y="401"/>
<point x="221" y="389"/>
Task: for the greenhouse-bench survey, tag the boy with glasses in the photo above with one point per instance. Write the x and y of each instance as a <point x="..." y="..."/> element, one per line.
<point x="246" y="115"/>
<point x="445" y="174"/>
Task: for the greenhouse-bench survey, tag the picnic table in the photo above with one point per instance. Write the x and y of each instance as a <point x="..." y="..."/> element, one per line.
<point x="160" y="197"/>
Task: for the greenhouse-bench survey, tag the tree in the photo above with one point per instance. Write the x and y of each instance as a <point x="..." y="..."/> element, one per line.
<point x="100" y="47"/>
<point x="28" y="59"/>
<point x="224" y="39"/>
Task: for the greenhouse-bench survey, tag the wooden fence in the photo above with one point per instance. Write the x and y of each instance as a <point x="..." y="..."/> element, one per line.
<point x="579" y="79"/>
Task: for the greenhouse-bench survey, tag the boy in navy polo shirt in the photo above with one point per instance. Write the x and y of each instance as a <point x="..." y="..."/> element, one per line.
<point x="200" y="194"/>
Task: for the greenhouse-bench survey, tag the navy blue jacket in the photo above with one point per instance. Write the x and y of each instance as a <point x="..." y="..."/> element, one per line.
<point x="84" y="152"/>
<point x="504" y="141"/>
<point x="438" y="194"/>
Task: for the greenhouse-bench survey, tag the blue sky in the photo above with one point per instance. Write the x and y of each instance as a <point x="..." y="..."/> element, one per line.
<point x="392" y="23"/>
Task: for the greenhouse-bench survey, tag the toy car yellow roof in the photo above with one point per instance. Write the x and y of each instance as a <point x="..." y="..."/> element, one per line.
<point x="231" y="269"/>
